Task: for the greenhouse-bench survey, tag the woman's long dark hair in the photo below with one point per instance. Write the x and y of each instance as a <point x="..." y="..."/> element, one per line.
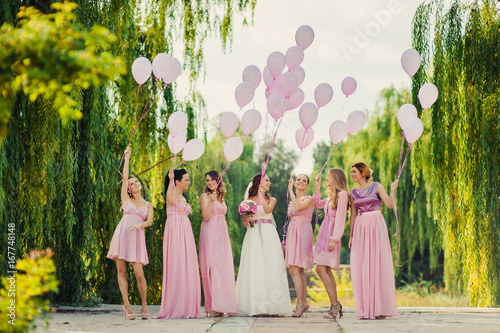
<point x="221" y="189"/>
<point x="254" y="189"/>
<point x="178" y="174"/>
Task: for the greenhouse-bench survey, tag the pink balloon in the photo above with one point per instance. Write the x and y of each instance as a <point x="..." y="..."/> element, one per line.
<point x="294" y="57"/>
<point x="288" y="84"/>
<point x="355" y="121"/>
<point x="162" y="65"/>
<point x="304" y="137"/>
<point x="175" y="72"/>
<point x="141" y="70"/>
<point x="338" y="131"/>
<point x="349" y="85"/>
<point x="427" y="95"/>
<point x="177" y="122"/>
<point x="252" y="74"/>
<point x="410" y="60"/>
<point x="405" y="113"/>
<point x="323" y="94"/>
<point x="193" y="150"/>
<point x="228" y="123"/>
<point x="233" y="148"/>
<point x="244" y="93"/>
<point x="276" y="105"/>
<point x="308" y="114"/>
<point x="414" y="129"/>
<point x="176" y="142"/>
<point x="276" y="63"/>
<point x="274" y="89"/>
<point x="304" y="37"/>
<point x="267" y="77"/>
<point x="295" y="99"/>
<point x="300" y="74"/>
<point x="250" y="121"/>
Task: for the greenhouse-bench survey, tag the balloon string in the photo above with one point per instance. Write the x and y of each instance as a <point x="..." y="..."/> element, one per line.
<point x="396" y="248"/>
<point x="343" y="104"/>
<point x="401" y="150"/>
<point x="271" y="147"/>
<point x="404" y="162"/>
<point x="329" y="156"/>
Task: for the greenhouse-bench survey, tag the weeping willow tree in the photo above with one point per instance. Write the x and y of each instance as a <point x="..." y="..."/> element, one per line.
<point x="58" y="174"/>
<point x="460" y="48"/>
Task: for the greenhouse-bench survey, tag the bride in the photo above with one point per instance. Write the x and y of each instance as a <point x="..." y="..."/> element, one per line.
<point x="262" y="285"/>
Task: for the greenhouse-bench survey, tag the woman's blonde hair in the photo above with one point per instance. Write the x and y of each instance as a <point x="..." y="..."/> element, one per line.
<point x="339" y="184"/>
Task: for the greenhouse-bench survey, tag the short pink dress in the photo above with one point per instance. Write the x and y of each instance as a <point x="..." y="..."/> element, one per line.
<point x="216" y="262"/>
<point x="181" y="289"/>
<point x="372" y="271"/>
<point x="299" y="237"/>
<point x="332" y="228"/>
<point x="127" y="244"/>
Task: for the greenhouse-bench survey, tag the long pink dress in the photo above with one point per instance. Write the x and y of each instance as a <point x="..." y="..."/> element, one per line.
<point x="332" y="228"/>
<point x="181" y="290"/>
<point x="216" y="262"/>
<point x="299" y="237"/>
<point x="127" y="244"/>
<point x="372" y="270"/>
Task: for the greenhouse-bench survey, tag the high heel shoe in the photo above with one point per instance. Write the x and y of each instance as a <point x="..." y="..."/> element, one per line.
<point x="129" y="316"/>
<point x="144" y="315"/>
<point x="335" y="309"/>
<point x="300" y="309"/>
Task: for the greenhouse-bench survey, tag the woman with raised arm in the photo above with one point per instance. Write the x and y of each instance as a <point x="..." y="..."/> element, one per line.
<point x="262" y="285"/>
<point x="327" y="249"/>
<point x="372" y="271"/>
<point x="299" y="240"/>
<point x="181" y="290"/>
<point x="216" y="256"/>
<point x="129" y="243"/>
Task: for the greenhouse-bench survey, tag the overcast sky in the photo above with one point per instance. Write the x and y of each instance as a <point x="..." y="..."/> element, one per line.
<point x="362" y="39"/>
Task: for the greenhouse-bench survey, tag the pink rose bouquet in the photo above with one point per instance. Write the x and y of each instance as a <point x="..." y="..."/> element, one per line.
<point x="247" y="207"/>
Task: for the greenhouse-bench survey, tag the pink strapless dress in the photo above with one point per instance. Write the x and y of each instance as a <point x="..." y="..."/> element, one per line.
<point x="181" y="290"/>
<point x="216" y="262"/>
<point x="299" y="237"/>
<point x="127" y="244"/>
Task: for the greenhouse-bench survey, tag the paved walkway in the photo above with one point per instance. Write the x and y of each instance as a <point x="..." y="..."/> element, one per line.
<point x="109" y="318"/>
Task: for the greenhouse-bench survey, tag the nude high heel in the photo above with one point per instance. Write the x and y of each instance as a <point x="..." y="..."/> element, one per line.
<point x="129" y="316"/>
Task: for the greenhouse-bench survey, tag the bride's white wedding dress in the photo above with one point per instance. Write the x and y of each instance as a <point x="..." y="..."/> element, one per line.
<point x="262" y="285"/>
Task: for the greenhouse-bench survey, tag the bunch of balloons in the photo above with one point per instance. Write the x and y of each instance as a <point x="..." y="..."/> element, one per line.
<point x="163" y="67"/>
<point x="193" y="149"/>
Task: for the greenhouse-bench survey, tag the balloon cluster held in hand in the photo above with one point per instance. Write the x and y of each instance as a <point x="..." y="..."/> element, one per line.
<point x="193" y="149"/>
<point x="164" y="67"/>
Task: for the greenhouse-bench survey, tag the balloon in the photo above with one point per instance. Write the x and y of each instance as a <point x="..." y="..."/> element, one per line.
<point x="193" y="150"/>
<point x="295" y="99"/>
<point x="276" y="105"/>
<point x="338" y="131"/>
<point x="427" y="95"/>
<point x="274" y="89"/>
<point x="175" y="72"/>
<point x="252" y="74"/>
<point x="304" y="37"/>
<point x="244" y="93"/>
<point x="267" y="77"/>
<point x="177" y="122"/>
<point x="304" y="137"/>
<point x="250" y="121"/>
<point x="288" y="84"/>
<point x="405" y="113"/>
<point x="276" y="63"/>
<point x="177" y="142"/>
<point x="233" y="148"/>
<point x="308" y="114"/>
<point x="228" y="123"/>
<point x="300" y="74"/>
<point x="410" y="60"/>
<point x="349" y="85"/>
<point x="294" y="57"/>
<point x="355" y="121"/>
<point x="323" y="94"/>
<point x="141" y="70"/>
<point x="162" y="65"/>
<point x="414" y="129"/>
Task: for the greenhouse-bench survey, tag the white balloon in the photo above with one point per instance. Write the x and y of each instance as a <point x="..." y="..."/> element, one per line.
<point x="295" y="99"/>
<point x="355" y="121"/>
<point x="244" y="93"/>
<point x="267" y="77"/>
<point x="304" y="36"/>
<point x="162" y="65"/>
<point x="193" y="150"/>
<point x="141" y="70"/>
<point x="250" y="121"/>
<point x="294" y="57"/>
<point x="176" y="142"/>
<point x="308" y="114"/>
<point x="337" y="131"/>
<point x="276" y="63"/>
<point x="276" y="105"/>
<point x="414" y="129"/>
<point x="300" y="74"/>
<point x="410" y="61"/>
<point x="228" y="123"/>
<point x="349" y="85"/>
<point x="252" y="74"/>
<point x="177" y="122"/>
<point x="304" y="137"/>
<point x="288" y="84"/>
<point x="323" y="94"/>
<point x="405" y="113"/>
<point x="427" y="95"/>
<point x="175" y="72"/>
<point x="233" y="148"/>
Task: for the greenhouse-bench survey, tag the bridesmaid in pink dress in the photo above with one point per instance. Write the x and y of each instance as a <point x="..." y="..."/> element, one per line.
<point x="299" y="240"/>
<point x="181" y="290"/>
<point x="216" y="256"/>
<point x="372" y="270"/>
<point x="129" y="243"/>
<point x="327" y="249"/>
